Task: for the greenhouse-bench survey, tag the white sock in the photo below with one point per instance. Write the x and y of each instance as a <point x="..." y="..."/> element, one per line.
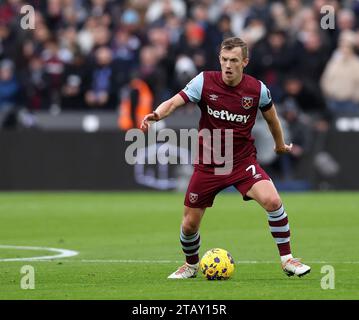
<point x="285" y="258"/>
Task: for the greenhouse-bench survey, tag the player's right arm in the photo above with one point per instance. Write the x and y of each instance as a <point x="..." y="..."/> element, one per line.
<point x="191" y="93"/>
<point x="163" y="110"/>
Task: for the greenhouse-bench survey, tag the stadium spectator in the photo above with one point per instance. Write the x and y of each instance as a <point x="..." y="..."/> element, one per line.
<point x="74" y="82"/>
<point x="311" y="55"/>
<point x="301" y="130"/>
<point x="192" y="44"/>
<point x="340" y="80"/>
<point x="9" y="86"/>
<point x="260" y="10"/>
<point x="159" y="9"/>
<point x="41" y="34"/>
<point x="136" y="101"/>
<point x="254" y="31"/>
<point x="303" y="96"/>
<point x="130" y="20"/>
<point x="346" y="20"/>
<point x="239" y="11"/>
<point x="35" y="85"/>
<point x="6" y="42"/>
<point x="279" y="16"/>
<point x="355" y="8"/>
<point x="26" y="50"/>
<point x="101" y="36"/>
<point x="9" y="11"/>
<point x="9" y="94"/>
<point x="99" y="8"/>
<point x="85" y="36"/>
<point x="159" y="40"/>
<point x="102" y="89"/>
<point x="152" y="70"/>
<point x="271" y="60"/>
<point x="54" y="14"/>
<point x="224" y="29"/>
<point x="67" y="43"/>
<point x="201" y="16"/>
<point x="54" y="67"/>
<point x="185" y="70"/>
<point x="125" y="50"/>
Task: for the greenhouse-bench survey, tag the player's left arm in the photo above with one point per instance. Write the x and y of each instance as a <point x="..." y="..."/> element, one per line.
<point x="275" y="127"/>
<point x="270" y="115"/>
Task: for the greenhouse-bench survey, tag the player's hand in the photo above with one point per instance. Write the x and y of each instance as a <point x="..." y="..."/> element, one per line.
<point x="148" y="119"/>
<point x="283" y="149"/>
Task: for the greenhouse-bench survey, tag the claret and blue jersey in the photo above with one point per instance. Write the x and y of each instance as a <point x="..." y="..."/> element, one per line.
<point x="226" y="107"/>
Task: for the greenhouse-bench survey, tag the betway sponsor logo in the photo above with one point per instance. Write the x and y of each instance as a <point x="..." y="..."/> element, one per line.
<point x="225" y="115"/>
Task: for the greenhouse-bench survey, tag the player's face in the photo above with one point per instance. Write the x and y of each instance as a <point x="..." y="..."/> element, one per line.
<point x="232" y="65"/>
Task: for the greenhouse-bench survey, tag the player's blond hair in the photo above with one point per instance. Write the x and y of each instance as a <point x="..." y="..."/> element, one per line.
<point x="233" y="42"/>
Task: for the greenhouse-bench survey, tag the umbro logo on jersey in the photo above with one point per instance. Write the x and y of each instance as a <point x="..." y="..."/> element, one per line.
<point x="225" y="115"/>
<point x="213" y="97"/>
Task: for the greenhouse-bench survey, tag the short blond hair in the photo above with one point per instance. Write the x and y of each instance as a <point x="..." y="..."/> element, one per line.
<point x="234" y="42"/>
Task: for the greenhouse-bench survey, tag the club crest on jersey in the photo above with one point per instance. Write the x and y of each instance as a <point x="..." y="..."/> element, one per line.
<point x="247" y="102"/>
<point x="193" y="197"/>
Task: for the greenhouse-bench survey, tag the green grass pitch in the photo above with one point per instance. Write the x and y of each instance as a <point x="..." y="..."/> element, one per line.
<point x="128" y="244"/>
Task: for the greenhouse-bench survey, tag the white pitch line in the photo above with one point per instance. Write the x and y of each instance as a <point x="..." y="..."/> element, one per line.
<point x="63" y="253"/>
<point x="129" y="261"/>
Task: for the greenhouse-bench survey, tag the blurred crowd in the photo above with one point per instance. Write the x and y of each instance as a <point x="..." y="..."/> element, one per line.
<point x="131" y="55"/>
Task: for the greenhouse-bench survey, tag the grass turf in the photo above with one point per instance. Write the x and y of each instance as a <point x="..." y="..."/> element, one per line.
<point x="107" y="228"/>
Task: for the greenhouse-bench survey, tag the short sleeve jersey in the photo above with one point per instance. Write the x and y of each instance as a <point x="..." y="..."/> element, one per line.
<point x="225" y="107"/>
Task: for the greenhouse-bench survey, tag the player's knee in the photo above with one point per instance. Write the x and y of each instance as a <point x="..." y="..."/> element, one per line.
<point x="272" y="203"/>
<point x="190" y="224"/>
<point x="191" y="220"/>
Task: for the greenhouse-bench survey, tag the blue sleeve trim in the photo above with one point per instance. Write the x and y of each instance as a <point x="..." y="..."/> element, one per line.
<point x="193" y="89"/>
<point x="265" y="99"/>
